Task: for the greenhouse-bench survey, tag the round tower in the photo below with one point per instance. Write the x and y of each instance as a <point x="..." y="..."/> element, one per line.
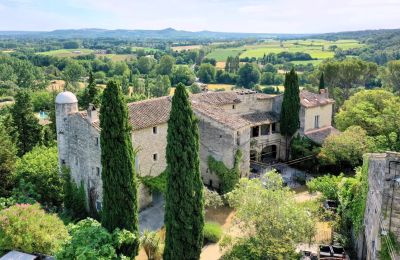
<point x="66" y="103"/>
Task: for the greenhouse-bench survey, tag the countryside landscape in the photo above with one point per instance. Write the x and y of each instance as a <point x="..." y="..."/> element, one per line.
<point x="269" y="132"/>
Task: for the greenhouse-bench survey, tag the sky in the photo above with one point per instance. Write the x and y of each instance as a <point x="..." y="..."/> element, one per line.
<point x="258" y="16"/>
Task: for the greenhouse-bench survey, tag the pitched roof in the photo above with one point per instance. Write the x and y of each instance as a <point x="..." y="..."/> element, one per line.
<point x="148" y="113"/>
<point x="219" y="115"/>
<point x="309" y="99"/>
<point x="95" y="124"/>
<point x="216" y="98"/>
<point x="261" y="117"/>
<point x="319" y="135"/>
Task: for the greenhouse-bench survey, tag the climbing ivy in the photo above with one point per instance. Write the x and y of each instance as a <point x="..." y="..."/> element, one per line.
<point x="228" y="177"/>
<point x="389" y="241"/>
<point x="155" y="184"/>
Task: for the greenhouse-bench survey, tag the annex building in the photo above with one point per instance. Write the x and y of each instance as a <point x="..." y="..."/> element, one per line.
<point x="228" y="121"/>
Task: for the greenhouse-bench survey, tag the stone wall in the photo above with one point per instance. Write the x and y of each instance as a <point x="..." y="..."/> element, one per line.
<point x="324" y="113"/>
<point x="382" y="212"/>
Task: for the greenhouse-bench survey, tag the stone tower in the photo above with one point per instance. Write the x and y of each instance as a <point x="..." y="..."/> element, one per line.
<point x="66" y="103"/>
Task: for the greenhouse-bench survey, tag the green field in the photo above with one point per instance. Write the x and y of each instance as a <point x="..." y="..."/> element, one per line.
<point x="318" y="49"/>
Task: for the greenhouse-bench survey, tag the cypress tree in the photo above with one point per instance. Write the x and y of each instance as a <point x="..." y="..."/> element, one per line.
<point x="321" y="82"/>
<point x="184" y="205"/>
<point x="91" y="95"/>
<point x="25" y="123"/>
<point x="289" y="121"/>
<point x="120" y="206"/>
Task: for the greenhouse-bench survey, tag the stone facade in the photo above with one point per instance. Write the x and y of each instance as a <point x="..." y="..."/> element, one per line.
<point x="382" y="213"/>
<point x="228" y="121"/>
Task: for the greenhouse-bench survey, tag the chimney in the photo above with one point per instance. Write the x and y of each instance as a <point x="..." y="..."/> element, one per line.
<point x="92" y="114"/>
<point x="324" y="92"/>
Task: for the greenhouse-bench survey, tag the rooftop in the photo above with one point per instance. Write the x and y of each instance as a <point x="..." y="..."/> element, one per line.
<point x="66" y="97"/>
<point x="319" y="135"/>
<point x="309" y="99"/>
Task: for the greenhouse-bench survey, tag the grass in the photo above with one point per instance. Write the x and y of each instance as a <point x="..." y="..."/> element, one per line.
<point x="214" y="87"/>
<point x="66" y="52"/>
<point x="318" y="49"/>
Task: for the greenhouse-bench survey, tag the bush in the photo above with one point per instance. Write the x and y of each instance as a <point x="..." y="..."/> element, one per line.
<point x="89" y="240"/>
<point x="212" y="232"/>
<point x="74" y="198"/>
<point x="30" y="229"/>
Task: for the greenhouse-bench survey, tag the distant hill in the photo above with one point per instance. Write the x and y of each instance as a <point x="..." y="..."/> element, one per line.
<point x="168" y="33"/>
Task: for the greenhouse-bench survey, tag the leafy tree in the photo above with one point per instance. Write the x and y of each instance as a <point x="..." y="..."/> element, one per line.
<point x="39" y="167"/>
<point x="7" y="162"/>
<point x="321" y="82"/>
<point x="194" y="88"/>
<point x="72" y="74"/>
<point x="249" y="75"/>
<point x="260" y="208"/>
<point x="183" y="74"/>
<point x="166" y="65"/>
<point x="346" y="148"/>
<point x="30" y="229"/>
<point x="145" y="65"/>
<point x="120" y="206"/>
<point x="26" y="125"/>
<point x="328" y="185"/>
<point x="91" y="93"/>
<point x="161" y="86"/>
<point x="212" y="199"/>
<point x="184" y="209"/>
<point x="289" y="123"/>
<point x="376" y="111"/>
<point x="391" y="75"/>
<point x="206" y="73"/>
<point x="224" y="77"/>
<point x="89" y="240"/>
<point x="232" y="64"/>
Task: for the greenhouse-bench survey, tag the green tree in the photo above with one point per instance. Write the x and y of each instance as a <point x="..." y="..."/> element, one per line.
<point x="183" y="74"/>
<point x="290" y="123"/>
<point x="206" y="73"/>
<point x="261" y="206"/>
<point x="321" y="82"/>
<point x="145" y="65"/>
<point x="120" y="205"/>
<point x="161" y="86"/>
<point x="89" y="240"/>
<point x="166" y="65"/>
<point x="184" y="202"/>
<point x="249" y="75"/>
<point x="347" y="148"/>
<point x="391" y="75"/>
<point x="31" y="230"/>
<point x="39" y="167"/>
<point x="25" y="123"/>
<point x="7" y="162"/>
<point x="91" y="93"/>
<point x="376" y="111"/>
<point x="72" y="74"/>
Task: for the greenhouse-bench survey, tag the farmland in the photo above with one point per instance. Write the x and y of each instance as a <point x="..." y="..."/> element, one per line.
<point x="318" y="49"/>
<point x="63" y="53"/>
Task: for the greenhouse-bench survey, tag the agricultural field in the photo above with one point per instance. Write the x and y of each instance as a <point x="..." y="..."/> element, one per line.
<point x="318" y="49"/>
<point x="77" y="52"/>
<point x="225" y="87"/>
<point x="186" y="48"/>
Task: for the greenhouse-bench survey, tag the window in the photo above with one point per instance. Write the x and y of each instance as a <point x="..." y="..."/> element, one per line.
<point x="254" y="131"/>
<point x="155" y="157"/>
<point x="273" y="127"/>
<point x="210" y="183"/>
<point x="155" y="130"/>
<point x="238" y="138"/>
<point x="98" y="205"/>
<point x="316" y="122"/>
<point x="264" y="129"/>
<point x="96" y="141"/>
<point x="98" y="171"/>
<point x="62" y="161"/>
<point x="233" y="106"/>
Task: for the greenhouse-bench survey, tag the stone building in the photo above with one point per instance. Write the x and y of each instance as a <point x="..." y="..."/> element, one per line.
<point x="382" y="212"/>
<point x="228" y="121"/>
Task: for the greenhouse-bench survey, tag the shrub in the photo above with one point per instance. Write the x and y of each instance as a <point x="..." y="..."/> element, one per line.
<point x="152" y="245"/>
<point x="30" y="229"/>
<point x="74" y="198"/>
<point x="89" y="240"/>
<point x="212" y="232"/>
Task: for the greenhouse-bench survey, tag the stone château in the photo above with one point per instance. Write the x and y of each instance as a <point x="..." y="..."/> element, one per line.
<point x="228" y="121"/>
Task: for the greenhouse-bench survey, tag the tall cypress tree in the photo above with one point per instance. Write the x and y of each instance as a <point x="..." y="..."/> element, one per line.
<point x="321" y="82"/>
<point x="25" y="123"/>
<point x="290" y="121"/>
<point x="120" y="205"/>
<point x="184" y="208"/>
<point x="91" y="95"/>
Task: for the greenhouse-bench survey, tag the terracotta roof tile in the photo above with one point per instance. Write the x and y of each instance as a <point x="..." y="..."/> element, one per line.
<point x="319" y="135"/>
<point x="309" y="99"/>
<point x="148" y="113"/>
<point x="261" y="117"/>
<point x="217" y="98"/>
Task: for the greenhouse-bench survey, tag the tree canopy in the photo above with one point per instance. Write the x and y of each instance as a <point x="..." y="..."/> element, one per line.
<point x="248" y="75"/>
